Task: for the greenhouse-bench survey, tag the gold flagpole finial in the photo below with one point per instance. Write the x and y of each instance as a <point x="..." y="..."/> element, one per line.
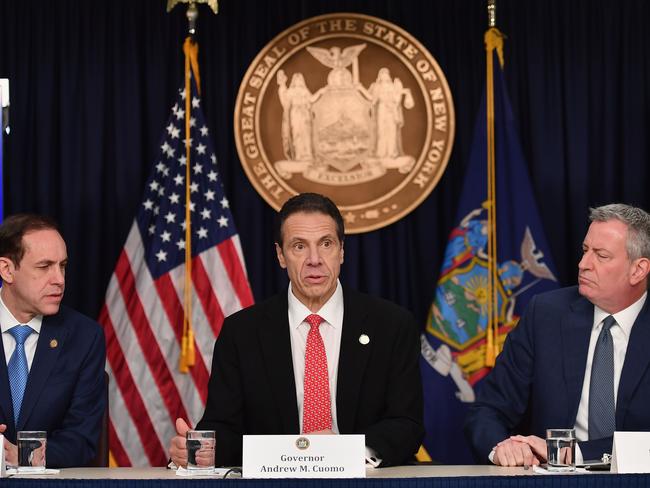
<point x="213" y="4"/>
<point x="192" y="11"/>
<point x="492" y="13"/>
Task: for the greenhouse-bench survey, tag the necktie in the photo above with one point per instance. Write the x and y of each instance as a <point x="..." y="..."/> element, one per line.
<point x="317" y="412"/>
<point x="602" y="415"/>
<point x="17" y="367"/>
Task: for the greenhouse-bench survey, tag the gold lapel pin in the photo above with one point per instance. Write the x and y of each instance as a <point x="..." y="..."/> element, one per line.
<point x="364" y="339"/>
<point x="54" y="343"/>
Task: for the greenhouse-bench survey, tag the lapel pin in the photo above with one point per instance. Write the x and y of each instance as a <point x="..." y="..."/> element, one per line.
<point x="364" y="339"/>
<point x="53" y="343"/>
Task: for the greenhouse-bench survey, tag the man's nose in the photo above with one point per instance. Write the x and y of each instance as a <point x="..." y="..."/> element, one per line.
<point x="314" y="255"/>
<point x="585" y="262"/>
<point x="58" y="276"/>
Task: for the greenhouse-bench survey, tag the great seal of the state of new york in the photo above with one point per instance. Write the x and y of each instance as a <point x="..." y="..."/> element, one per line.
<point x="350" y="106"/>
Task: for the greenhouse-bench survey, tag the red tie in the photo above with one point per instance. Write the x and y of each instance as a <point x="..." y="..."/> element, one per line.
<point x="317" y="412"/>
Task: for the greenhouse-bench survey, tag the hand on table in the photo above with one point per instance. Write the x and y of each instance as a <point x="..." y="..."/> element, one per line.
<point x="178" y="445"/>
<point x="537" y="445"/>
<point x="10" y="450"/>
<point x="514" y="452"/>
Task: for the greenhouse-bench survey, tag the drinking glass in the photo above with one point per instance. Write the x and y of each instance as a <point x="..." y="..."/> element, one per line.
<point x="200" y="450"/>
<point x="561" y="449"/>
<point x="31" y="451"/>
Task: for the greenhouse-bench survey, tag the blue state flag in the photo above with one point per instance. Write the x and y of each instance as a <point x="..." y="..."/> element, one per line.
<point x="454" y="345"/>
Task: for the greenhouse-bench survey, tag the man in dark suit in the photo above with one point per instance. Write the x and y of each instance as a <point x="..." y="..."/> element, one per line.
<point x="51" y="357"/>
<point x="263" y="367"/>
<point x="579" y="355"/>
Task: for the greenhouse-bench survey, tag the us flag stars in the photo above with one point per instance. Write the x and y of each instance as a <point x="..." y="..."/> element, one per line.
<point x="162" y="215"/>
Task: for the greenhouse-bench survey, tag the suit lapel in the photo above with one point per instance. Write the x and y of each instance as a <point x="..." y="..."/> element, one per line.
<point x="275" y="343"/>
<point x="5" y="392"/>
<point x="576" y="331"/>
<point x="353" y="359"/>
<point x="50" y="341"/>
<point x="636" y="362"/>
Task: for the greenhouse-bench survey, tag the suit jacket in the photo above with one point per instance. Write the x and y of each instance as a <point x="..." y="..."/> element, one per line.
<point x="379" y="393"/>
<point x="537" y="380"/>
<point x="65" y="389"/>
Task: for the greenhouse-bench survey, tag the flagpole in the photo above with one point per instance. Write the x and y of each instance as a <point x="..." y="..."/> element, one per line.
<point x="187" y="357"/>
<point x="493" y="40"/>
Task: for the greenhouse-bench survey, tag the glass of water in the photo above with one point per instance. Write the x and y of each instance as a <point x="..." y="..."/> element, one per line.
<point x="561" y="449"/>
<point x="31" y="451"/>
<point x="200" y="450"/>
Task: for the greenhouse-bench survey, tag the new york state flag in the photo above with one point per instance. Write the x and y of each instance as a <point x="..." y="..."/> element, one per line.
<point x="453" y="359"/>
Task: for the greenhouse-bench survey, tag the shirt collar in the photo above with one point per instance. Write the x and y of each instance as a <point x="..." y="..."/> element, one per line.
<point x="7" y="319"/>
<point x="625" y="318"/>
<point x="331" y="311"/>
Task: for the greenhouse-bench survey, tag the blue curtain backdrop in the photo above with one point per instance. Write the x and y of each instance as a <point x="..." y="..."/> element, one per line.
<point x="92" y="83"/>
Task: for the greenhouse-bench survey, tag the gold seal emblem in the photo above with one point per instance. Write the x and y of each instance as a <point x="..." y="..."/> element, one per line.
<point x="350" y="106"/>
<point x="302" y="443"/>
<point x="53" y="344"/>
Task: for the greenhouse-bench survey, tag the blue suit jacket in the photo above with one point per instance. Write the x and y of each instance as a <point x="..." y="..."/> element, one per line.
<point x="65" y="389"/>
<point x="537" y="381"/>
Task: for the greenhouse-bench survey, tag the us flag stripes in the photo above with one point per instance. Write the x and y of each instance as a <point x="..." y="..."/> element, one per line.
<point x="143" y="313"/>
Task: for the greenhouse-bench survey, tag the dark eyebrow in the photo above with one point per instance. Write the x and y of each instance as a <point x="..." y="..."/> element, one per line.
<point x="49" y="262"/>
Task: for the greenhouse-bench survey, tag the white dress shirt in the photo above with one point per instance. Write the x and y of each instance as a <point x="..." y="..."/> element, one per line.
<point x="330" y="330"/>
<point x="7" y="321"/>
<point x="620" y="337"/>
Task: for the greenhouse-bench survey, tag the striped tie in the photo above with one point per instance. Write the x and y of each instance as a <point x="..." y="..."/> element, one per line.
<point x="602" y="414"/>
<point x="17" y="367"/>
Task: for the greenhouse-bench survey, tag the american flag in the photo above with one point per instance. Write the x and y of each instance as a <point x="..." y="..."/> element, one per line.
<point x="143" y="313"/>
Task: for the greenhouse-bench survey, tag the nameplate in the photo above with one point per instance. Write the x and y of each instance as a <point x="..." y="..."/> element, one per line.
<point x="3" y="468"/>
<point x="631" y="452"/>
<point x="304" y="456"/>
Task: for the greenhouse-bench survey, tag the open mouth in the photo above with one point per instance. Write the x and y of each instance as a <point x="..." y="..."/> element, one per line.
<point x="315" y="279"/>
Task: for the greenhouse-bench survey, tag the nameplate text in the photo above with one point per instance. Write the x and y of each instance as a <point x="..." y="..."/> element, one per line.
<point x="304" y="456"/>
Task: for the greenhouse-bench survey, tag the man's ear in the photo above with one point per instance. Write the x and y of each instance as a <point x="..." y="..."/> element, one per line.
<point x="7" y="269"/>
<point x="278" y="252"/>
<point x="640" y="270"/>
<point x="342" y="252"/>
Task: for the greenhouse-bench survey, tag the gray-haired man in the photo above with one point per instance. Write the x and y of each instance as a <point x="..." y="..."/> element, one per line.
<point x="579" y="355"/>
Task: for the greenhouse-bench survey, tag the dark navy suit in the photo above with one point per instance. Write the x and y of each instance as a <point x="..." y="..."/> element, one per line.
<point x="65" y="389"/>
<point x="537" y="381"/>
<point x="379" y="393"/>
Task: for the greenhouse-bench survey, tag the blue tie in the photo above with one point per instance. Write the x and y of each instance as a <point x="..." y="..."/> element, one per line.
<point x="17" y="367"/>
<point x="602" y="412"/>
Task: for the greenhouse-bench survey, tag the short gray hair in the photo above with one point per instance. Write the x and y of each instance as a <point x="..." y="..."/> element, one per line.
<point x="638" y="226"/>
